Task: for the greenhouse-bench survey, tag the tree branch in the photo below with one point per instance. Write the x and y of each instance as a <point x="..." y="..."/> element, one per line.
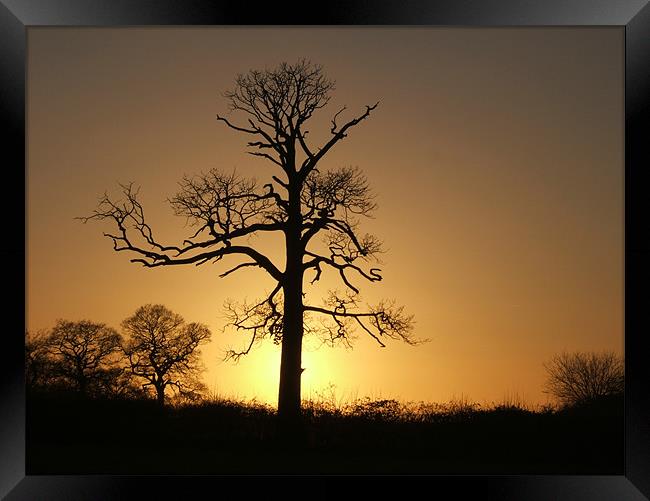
<point x="372" y="275"/>
<point x="310" y="163"/>
<point x="384" y="320"/>
<point x="239" y="266"/>
<point x="261" y="319"/>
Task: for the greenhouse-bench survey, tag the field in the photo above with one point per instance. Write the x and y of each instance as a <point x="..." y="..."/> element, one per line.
<point x="69" y="435"/>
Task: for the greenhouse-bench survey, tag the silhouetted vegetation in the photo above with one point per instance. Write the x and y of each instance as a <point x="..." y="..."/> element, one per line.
<point x="315" y="213"/>
<point x="67" y="434"/>
<point x="160" y="351"/>
<point x="40" y="367"/>
<point x="69" y="431"/>
<point x="84" y="356"/>
<point x="300" y="201"/>
<point x="581" y="378"/>
<point x="163" y="350"/>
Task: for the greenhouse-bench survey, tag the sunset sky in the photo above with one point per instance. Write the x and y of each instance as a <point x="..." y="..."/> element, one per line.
<point x="496" y="156"/>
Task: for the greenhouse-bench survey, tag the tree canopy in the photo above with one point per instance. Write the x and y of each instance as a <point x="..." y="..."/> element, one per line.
<point x="163" y="350"/>
<point x="578" y="378"/>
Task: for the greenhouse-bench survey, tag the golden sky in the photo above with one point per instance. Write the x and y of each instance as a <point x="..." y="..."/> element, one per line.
<point x="496" y="156"/>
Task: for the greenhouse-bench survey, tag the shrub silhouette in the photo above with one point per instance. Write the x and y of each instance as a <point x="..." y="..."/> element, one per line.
<point x="581" y="378"/>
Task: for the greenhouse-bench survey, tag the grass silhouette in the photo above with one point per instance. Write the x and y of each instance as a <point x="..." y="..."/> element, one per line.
<point x="70" y="435"/>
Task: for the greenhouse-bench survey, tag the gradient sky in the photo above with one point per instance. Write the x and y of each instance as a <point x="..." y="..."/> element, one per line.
<point x="496" y="156"/>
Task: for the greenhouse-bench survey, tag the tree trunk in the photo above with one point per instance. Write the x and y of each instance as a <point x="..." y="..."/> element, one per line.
<point x="290" y="365"/>
<point x="289" y="395"/>
<point x="160" y="395"/>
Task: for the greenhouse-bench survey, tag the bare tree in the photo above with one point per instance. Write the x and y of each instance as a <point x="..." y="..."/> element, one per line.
<point x="163" y="350"/>
<point x="576" y="378"/>
<point x="40" y="370"/>
<point x="85" y="353"/>
<point x="299" y="203"/>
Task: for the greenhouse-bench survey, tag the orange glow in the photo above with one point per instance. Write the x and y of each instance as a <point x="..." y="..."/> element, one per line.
<point x="496" y="156"/>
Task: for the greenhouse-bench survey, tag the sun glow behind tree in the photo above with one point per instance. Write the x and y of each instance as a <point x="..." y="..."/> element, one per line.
<point x="302" y="202"/>
<point x="502" y="147"/>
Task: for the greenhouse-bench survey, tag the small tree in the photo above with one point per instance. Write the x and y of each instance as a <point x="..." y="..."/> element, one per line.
<point x="163" y="350"/>
<point x="85" y="354"/>
<point x="577" y="378"/>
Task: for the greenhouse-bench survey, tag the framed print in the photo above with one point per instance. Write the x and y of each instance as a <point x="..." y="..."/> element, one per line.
<point x="374" y="240"/>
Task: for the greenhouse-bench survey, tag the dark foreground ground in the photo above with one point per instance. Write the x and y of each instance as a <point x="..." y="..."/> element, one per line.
<point x="67" y="435"/>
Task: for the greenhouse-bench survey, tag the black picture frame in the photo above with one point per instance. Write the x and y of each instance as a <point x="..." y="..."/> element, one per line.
<point x="632" y="16"/>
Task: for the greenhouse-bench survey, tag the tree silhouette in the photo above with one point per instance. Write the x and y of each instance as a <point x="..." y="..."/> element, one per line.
<point x="40" y="369"/>
<point x="83" y="353"/>
<point x="299" y="202"/>
<point x="578" y="378"/>
<point x="163" y="350"/>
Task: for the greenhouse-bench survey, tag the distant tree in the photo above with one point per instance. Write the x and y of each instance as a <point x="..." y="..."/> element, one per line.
<point x="163" y="350"/>
<point x="300" y="201"/>
<point x="40" y="368"/>
<point x="118" y="381"/>
<point x="577" y="378"/>
<point x="85" y="354"/>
